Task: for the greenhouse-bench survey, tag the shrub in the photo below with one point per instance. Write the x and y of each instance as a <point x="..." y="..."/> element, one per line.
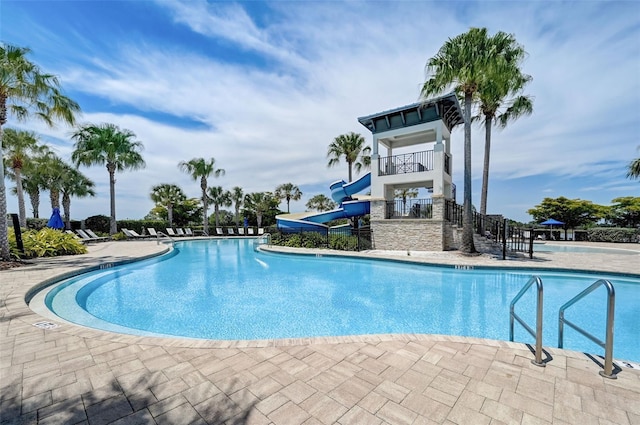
<point x="98" y="223"/>
<point x="37" y="223"/>
<point x="46" y="243"/>
<point x="613" y="234"/>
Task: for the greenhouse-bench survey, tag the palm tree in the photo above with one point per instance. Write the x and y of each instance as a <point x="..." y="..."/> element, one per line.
<point x="167" y="195"/>
<point x="404" y="194"/>
<point x="19" y="147"/>
<point x="52" y="174"/>
<point x="288" y="191"/>
<point x="260" y="203"/>
<point x="219" y="198"/>
<point x="106" y="144"/>
<point x="320" y="203"/>
<point x="74" y="183"/>
<point x="237" y="196"/>
<point x="199" y="168"/>
<point x="462" y="62"/>
<point x="500" y="99"/>
<point x="351" y="146"/>
<point x="33" y="178"/>
<point x="634" y="169"/>
<point x="25" y="91"/>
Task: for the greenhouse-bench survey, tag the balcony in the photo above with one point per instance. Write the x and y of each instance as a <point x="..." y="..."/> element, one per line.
<point x="406" y="163"/>
<point x="411" y="208"/>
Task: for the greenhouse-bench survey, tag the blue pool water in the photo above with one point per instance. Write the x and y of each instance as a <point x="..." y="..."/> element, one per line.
<point x="224" y="289"/>
<point x="546" y="247"/>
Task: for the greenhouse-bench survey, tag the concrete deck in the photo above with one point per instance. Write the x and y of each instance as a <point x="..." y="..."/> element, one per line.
<point x="71" y="374"/>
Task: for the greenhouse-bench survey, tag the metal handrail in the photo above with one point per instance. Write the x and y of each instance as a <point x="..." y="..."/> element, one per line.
<point x="538" y="333"/>
<point x="158" y="234"/>
<point x="608" y="344"/>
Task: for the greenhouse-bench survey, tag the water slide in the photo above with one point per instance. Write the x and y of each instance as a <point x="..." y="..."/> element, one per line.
<point x="341" y="192"/>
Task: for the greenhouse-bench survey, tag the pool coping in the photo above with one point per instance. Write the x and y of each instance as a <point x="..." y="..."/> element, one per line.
<point x="81" y="331"/>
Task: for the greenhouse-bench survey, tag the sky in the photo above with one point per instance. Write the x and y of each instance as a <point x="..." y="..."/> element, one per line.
<point x="265" y="87"/>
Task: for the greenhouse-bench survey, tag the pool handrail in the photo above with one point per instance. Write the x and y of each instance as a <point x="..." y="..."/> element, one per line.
<point x="608" y="344"/>
<point x="538" y="332"/>
<point x="160" y="234"/>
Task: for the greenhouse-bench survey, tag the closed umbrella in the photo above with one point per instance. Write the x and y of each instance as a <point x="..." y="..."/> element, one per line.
<point x="55" y="222"/>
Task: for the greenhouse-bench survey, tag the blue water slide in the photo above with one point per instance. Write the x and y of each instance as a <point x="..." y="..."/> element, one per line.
<point x="341" y="192"/>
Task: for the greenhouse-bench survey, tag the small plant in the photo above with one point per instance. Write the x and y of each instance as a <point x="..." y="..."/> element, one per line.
<point x="46" y="243"/>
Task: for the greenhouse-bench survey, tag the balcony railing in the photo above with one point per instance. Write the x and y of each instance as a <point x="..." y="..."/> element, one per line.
<point x="412" y="208"/>
<point x="406" y="163"/>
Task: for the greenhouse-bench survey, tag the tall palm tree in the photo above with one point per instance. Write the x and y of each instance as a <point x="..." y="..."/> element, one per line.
<point x="167" y="195"/>
<point x="500" y="99"/>
<point x="462" y="63"/>
<point x="404" y="194"/>
<point x="19" y="147"/>
<point x="351" y="146"/>
<point x="74" y="183"/>
<point x="634" y="169"/>
<point x="288" y="191"/>
<point x="219" y="198"/>
<point x="26" y="91"/>
<point x="199" y="168"/>
<point x="106" y="144"/>
<point x="260" y="203"/>
<point x="237" y="196"/>
<point x="320" y="203"/>
<point x="33" y="177"/>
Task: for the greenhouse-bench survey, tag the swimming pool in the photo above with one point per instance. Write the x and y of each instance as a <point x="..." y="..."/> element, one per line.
<point x="547" y="247"/>
<point x="224" y="289"/>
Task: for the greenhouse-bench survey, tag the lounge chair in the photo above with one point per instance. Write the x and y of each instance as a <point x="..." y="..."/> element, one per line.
<point x="132" y="234"/>
<point x="170" y="232"/>
<point x="231" y="231"/>
<point x="260" y="231"/>
<point x="78" y="238"/>
<point x="85" y="237"/>
<point x="219" y="231"/>
<point x="250" y="231"/>
<point x="188" y="231"/>
<point x="241" y="231"/>
<point x="152" y="232"/>
<point x="92" y="234"/>
<point x="180" y="232"/>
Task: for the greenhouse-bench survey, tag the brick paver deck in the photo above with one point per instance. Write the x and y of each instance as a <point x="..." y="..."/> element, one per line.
<point x="74" y="375"/>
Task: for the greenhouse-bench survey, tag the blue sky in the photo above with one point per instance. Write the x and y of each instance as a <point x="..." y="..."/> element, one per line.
<point x="264" y="87"/>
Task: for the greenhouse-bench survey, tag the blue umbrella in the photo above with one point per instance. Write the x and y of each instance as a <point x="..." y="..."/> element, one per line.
<point x="55" y="222"/>
<point x="552" y="222"/>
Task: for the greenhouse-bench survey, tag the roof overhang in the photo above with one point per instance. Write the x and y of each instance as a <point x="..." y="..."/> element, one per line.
<point x="445" y="108"/>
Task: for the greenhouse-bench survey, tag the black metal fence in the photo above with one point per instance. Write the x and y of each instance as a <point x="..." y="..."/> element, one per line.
<point x="344" y="238"/>
<point x="405" y="163"/>
<point x="495" y="228"/>
<point x="409" y="208"/>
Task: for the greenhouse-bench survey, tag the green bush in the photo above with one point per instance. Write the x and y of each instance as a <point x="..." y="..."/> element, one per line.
<point x="46" y="243"/>
<point x="613" y="234"/>
<point x="98" y="223"/>
<point x="37" y="223"/>
<point x="140" y="226"/>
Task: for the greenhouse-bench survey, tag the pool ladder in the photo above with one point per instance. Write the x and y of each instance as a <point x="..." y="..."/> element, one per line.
<point x="160" y="234"/>
<point x="607" y="371"/>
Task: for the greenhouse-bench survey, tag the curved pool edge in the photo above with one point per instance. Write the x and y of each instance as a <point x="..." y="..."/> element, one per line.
<point x="70" y="328"/>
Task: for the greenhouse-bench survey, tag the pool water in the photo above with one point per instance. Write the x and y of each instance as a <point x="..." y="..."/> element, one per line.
<point x="544" y="247"/>
<point x="225" y="289"/>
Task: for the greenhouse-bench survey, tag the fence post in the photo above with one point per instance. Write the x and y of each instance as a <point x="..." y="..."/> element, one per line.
<point x="531" y="243"/>
<point x="504" y="239"/>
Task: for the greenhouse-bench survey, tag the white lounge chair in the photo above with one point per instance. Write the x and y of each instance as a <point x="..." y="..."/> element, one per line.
<point x="170" y="232"/>
<point x="180" y="232"/>
<point x="188" y="231"/>
<point x="94" y="236"/>
<point x="260" y="231"/>
<point x="152" y="232"/>
<point x="250" y="231"/>
<point x="231" y="232"/>
<point x="219" y="231"/>
<point x="241" y="231"/>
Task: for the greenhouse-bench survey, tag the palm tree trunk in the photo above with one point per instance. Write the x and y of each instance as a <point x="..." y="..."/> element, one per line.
<point x="66" y="207"/>
<point x="113" y="227"/>
<point x="4" y="230"/>
<point x="22" y="215"/>
<point x="488" y="123"/>
<point x="350" y="166"/>
<point x="216" y="210"/>
<point x="170" y="214"/>
<point x="34" y="197"/>
<point x="237" y="215"/>
<point x="205" y="219"/>
<point x="288" y="200"/>
<point x="467" y="245"/>
<point x="259" y="218"/>
<point x="54" y="197"/>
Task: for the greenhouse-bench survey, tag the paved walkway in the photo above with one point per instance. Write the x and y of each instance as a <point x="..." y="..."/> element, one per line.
<point x="71" y="374"/>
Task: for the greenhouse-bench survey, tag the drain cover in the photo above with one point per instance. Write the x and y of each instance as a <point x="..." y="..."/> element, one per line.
<point x="46" y="325"/>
